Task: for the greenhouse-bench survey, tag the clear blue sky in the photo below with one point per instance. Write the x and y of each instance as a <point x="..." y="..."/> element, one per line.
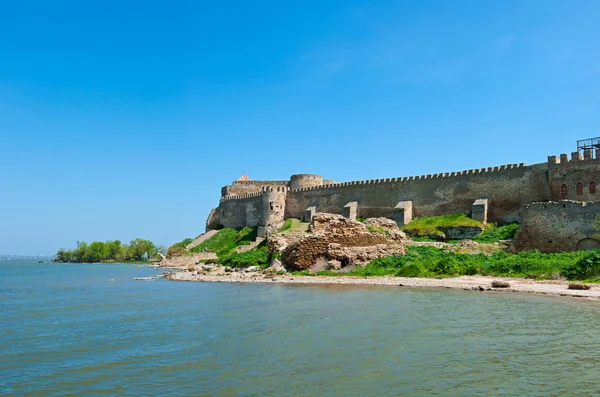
<point x="122" y="119"/>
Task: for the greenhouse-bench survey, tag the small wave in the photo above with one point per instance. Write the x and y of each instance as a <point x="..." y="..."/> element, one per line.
<point x="146" y="278"/>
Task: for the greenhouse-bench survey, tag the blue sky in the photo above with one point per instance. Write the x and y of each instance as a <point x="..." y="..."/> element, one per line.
<point x="122" y="119"/>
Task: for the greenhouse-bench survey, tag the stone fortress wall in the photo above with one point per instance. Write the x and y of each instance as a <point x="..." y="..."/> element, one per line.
<point x="495" y="194"/>
<point x="558" y="226"/>
<point x="507" y="187"/>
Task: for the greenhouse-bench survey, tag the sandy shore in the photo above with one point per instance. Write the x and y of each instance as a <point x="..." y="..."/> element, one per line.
<point x="477" y="283"/>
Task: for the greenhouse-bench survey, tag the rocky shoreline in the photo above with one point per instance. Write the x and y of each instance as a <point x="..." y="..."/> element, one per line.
<point x="472" y="283"/>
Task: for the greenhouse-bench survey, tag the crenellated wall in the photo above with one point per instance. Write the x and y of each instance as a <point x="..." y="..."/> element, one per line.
<point x="506" y="187"/>
<point x="262" y="208"/>
<point x="239" y="188"/>
<point x="565" y="174"/>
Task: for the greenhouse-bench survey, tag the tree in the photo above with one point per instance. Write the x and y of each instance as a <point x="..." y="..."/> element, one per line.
<point x="141" y="249"/>
<point x="97" y="251"/>
<point x="117" y="251"/>
<point x="64" y="255"/>
<point x="79" y="255"/>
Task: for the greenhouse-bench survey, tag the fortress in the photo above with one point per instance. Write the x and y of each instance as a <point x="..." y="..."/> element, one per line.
<point x="507" y="193"/>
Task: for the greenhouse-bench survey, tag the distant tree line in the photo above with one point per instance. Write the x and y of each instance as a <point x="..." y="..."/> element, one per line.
<point x="112" y="250"/>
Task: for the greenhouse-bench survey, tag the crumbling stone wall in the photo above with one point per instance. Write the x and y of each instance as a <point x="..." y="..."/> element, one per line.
<point x="339" y="239"/>
<point x="557" y="226"/>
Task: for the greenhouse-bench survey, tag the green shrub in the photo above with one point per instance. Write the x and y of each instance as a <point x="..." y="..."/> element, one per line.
<point x="431" y="261"/>
<point x="257" y="257"/>
<point x="494" y="234"/>
<point x="588" y="266"/>
<point x="178" y="248"/>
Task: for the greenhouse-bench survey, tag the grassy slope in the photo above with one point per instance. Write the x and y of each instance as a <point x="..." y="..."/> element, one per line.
<point x="436" y="225"/>
<point x="226" y="241"/>
<point x="293" y="225"/>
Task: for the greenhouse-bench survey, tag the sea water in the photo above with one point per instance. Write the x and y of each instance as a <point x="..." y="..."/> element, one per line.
<point x="93" y="330"/>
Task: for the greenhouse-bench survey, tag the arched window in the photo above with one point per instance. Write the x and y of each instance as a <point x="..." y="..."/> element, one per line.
<point x="592" y="188"/>
<point x="580" y="188"/>
<point x="563" y="190"/>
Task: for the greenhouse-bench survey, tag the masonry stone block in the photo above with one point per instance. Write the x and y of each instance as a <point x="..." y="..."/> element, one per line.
<point x="309" y="213"/>
<point x="403" y="213"/>
<point x="351" y="210"/>
<point x="479" y="210"/>
<point x="576" y="156"/>
<point x="564" y="158"/>
<point x="587" y="154"/>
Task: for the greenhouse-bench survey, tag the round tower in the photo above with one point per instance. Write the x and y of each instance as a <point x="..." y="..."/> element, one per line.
<point x="305" y="180"/>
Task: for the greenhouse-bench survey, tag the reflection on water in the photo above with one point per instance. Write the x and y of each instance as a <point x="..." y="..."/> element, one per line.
<point x="94" y="330"/>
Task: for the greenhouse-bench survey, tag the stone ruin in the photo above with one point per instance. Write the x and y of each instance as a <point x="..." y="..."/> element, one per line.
<point x="334" y="242"/>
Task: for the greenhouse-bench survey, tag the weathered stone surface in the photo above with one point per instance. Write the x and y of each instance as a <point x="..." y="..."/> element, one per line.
<point x="348" y="256"/>
<point x="403" y="213"/>
<point x="479" y="210"/>
<point x="557" y="227"/>
<point x="275" y="267"/>
<point x="337" y="238"/>
<point x="213" y="222"/>
<point x="277" y="243"/>
<point x="387" y="224"/>
<point x="463" y="232"/>
<point x="579" y="286"/>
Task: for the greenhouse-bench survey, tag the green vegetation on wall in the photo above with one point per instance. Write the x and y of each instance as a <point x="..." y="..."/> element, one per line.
<point x="437" y="225"/>
<point x="497" y="233"/>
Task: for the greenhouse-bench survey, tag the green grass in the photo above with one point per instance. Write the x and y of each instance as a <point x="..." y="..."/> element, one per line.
<point x="378" y="229"/>
<point x="293" y="225"/>
<point x="227" y="240"/>
<point x="497" y="233"/>
<point x="434" y="262"/>
<point x="437" y="225"/>
<point x="255" y="257"/>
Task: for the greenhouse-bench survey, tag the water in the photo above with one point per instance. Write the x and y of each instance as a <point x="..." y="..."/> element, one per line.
<point x="70" y="329"/>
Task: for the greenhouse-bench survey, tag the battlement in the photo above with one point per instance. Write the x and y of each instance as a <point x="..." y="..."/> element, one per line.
<point x="500" y="192"/>
<point x="241" y="196"/>
<point x="588" y="154"/>
<point x="265" y="189"/>
<point x="551" y="205"/>
<point x="415" y="178"/>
